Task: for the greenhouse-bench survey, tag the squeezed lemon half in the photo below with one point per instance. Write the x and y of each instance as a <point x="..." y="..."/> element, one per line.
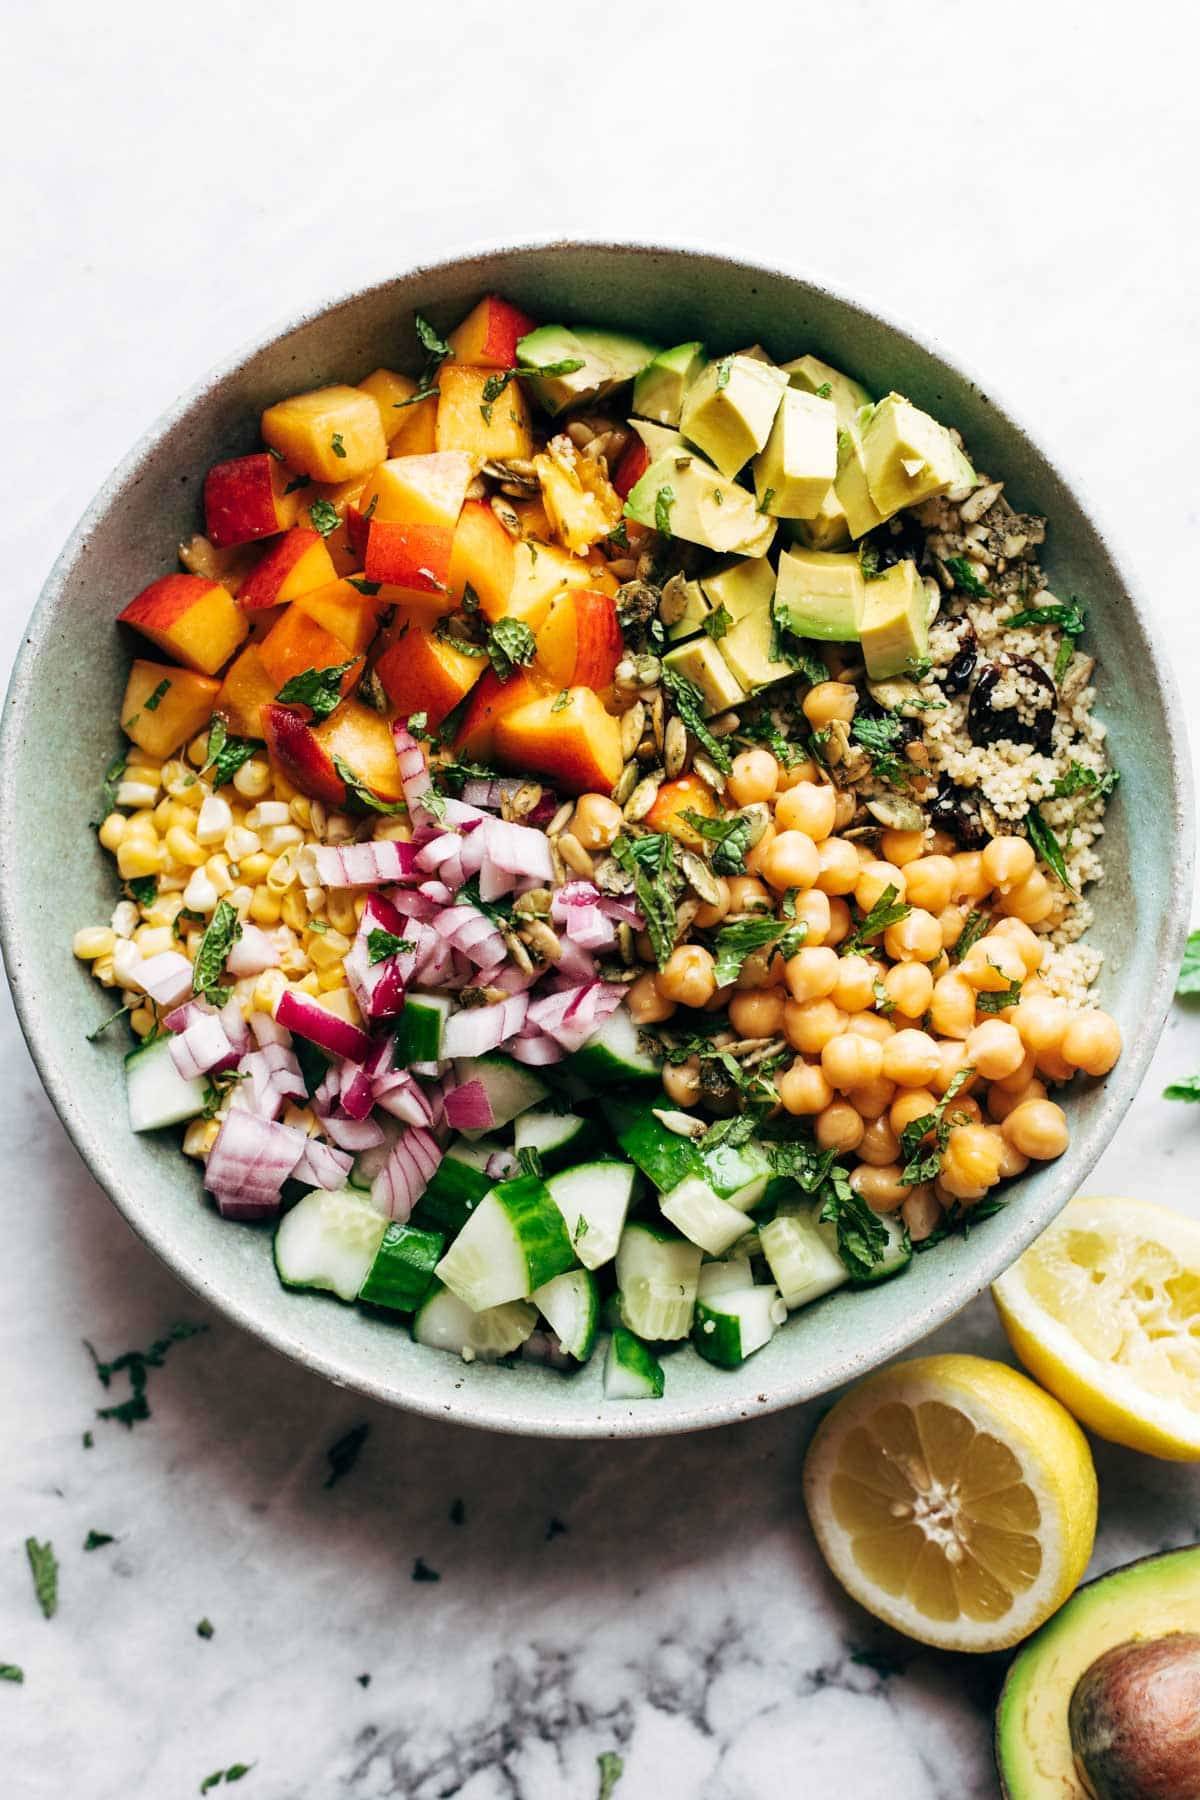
<point x="953" y="1499"/>
<point x="1104" y="1309"/>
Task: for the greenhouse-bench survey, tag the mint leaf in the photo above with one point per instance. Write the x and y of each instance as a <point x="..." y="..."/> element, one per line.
<point x="223" y="931"/>
<point x="510" y="645"/>
<point x="729" y="836"/>
<point x="43" y="1566"/>
<point x="862" y="1237"/>
<point x="362" y="793"/>
<point x="886" y="911"/>
<point x="966" y="578"/>
<point x="976" y="924"/>
<point x="717" y="623"/>
<point x="324" y="517"/>
<point x="689" y="704"/>
<point x="1047" y="846"/>
<point x="318" y="689"/>
<point x="1071" y="618"/>
<point x="734" y="943"/>
<point x="1187" y="1089"/>
<point x="920" y="1164"/>
<point x="611" y="1767"/>
<point x="431" y="343"/>
<point x="1189" y="974"/>
<point x="382" y="944"/>
<point x="651" y="862"/>
<point x="96" y="1540"/>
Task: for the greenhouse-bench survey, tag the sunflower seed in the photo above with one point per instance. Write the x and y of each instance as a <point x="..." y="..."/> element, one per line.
<point x="1077" y="676"/>
<point x="673" y="604"/>
<point x="658" y="713"/>
<point x="700" y="878"/>
<point x="675" y="747"/>
<point x="724" y="724"/>
<point x="895" y="813"/>
<point x="648" y="669"/>
<point x="542" y="941"/>
<point x="579" y="433"/>
<point x="632" y="725"/>
<point x="625" y="675"/>
<point x="685" y="914"/>
<point x="625" y="944"/>
<point x="525" y="799"/>
<point x="626" y="783"/>
<point x="758" y="816"/>
<point x="517" y="950"/>
<point x="561" y="819"/>
<point x="642" y="798"/>
<point x="611" y="878"/>
<point x="506" y="516"/>
<point x="981" y="501"/>
<point x="575" y="856"/>
<point x="559" y="866"/>
<point x="681" y="1123"/>
<point x="476" y="488"/>
<point x="515" y="469"/>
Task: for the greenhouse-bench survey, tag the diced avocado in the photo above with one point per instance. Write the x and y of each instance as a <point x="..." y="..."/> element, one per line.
<point x="907" y="456"/>
<point x="850" y="485"/>
<point x="552" y="344"/>
<point x="828" y="529"/>
<point x="794" y="470"/>
<point x="740" y="587"/>
<point x="894" y="631"/>
<point x="697" y="608"/>
<point x="659" y="389"/>
<point x="659" y="439"/>
<point x="702" y="663"/>
<point x="686" y="496"/>
<point x="815" y="377"/>
<point x="624" y="355"/>
<point x="746" y="647"/>
<point x="821" y="594"/>
<point x="756" y="353"/>
<point x="729" y="409"/>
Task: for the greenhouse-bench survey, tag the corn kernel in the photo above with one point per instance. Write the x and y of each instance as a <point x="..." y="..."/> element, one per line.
<point x="267" y="812"/>
<point x="294" y="910"/>
<point x="124" y="921"/>
<point x="152" y="940"/>
<point x="140" y="856"/>
<point x="341" y="1002"/>
<point x="240" y="841"/>
<point x="267" y="989"/>
<point x="332" y="977"/>
<point x="360" y="906"/>
<point x="240" y="897"/>
<point x="177" y="778"/>
<point x="127" y="960"/>
<point x="183" y="848"/>
<point x="339" y="908"/>
<point x="161" y="816"/>
<point x="93" y="941"/>
<point x="141" y="1020"/>
<point x="282" y="873"/>
<point x="339" y="829"/>
<point x="392" y="831"/>
<point x="104" y="972"/>
<point x="173" y="882"/>
<point x="303" y="1118"/>
<point x="141" y="824"/>
<point x="217" y="870"/>
<point x="253" y="869"/>
<point x="197" y="751"/>
<point x="301" y="810"/>
<point x="281" y="837"/>
<point x="200" y="1137"/>
<point x="253" y="778"/>
<point x="316" y="819"/>
<point x="137" y="793"/>
<point x="327" y="948"/>
<point x="112" y="830"/>
<point x="264" y="908"/>
<point x="215" y="820"/>
<point x="293" y="960"/>
<point x="308" y="984"/>
<point x="284" y="789"/>
<point x="200" y="895"/>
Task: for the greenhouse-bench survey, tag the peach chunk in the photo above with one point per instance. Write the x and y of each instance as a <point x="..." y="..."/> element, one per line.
<point x="297" y="643"/>
<point x="362" y="739"/>
<point x="340" y="607"/>
<point x="164" y="706"/>
<point x="490" y="333"/>
<point x="423" y="673"/>
<point x="687" y="794"/>
<point x="246" y="689"/>
<point x="567" y="737"/>
<point x="474" y="418"/>
<point x="580" y="643"/>
<point x="332" y="434"/>
<point x="194" y="620"/>
<point x="295" y="565"/>
<point x="249" y="497"/>
<point x="481" y="558"/>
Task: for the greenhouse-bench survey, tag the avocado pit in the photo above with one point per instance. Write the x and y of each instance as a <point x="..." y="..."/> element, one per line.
<point x="1134" y="1720"/>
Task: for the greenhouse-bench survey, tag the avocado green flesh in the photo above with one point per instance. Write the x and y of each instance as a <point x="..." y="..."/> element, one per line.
<point x="1145" y="1599"/>
<point x="813" y="376"/>
<point x="552" y="344"/>
<point x="659" y="388"/>
<point x="699" y="505"/>
<point x="623" y="355"/>
<point x="894" y="633"/>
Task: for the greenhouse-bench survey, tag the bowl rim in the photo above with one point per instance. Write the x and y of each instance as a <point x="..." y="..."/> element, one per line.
<point x="488" y="1410"/>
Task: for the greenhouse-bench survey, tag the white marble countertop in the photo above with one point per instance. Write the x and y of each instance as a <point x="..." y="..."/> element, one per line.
<point x="1021" y="187"/>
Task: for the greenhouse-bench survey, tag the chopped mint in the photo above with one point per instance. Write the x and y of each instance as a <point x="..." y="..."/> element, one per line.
<point x="96" y="1540"/>
<point x="324" y="517"/>
<point x="343" y="1454"/>
<point x="43" y="1566"/>
<point x="337" y="445"/>
<point x="422" y="1572"/>
<point x="224" y="929"/>
<point x="382" y="944"/>
<point x="318" y="689"/>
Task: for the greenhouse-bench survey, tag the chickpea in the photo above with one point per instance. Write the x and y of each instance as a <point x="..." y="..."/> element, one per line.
<point x="873" y="1099"/>
<point x="952" y="1060"/>
<point x="851" y="1062"/>
<point x="1021" y="1076"/>
<point x="840" y="922"/>
<point x="1006" y="862"/>
<point x="838" y="866"/>
<point x="952" y="922"/>
<point x="687" y="978"/>
<point x="902" y="847"/>
<point x="804" y="770"/>
<point x="921" y="1213"/>
<point x="813" y="972"/>
<point x="995" y="1049"/>
<point x="808" y="1025"/>
<point x="760" y="1014"/>
<point x="646" y="1005"/>
<point x="804" y="1089"/>
<point x="1011" y="1161"/>
<point x="1032" y="948"/>
<point x="1038" y="1129"/>
<point x="909" y="1105"/>
<point x="874" y="880"/>
<point x="839" y="1127"/>
<point x="970" y="1162"/>
<point x="596" y="821"/>
<point x="761" y="969"/>
<point x="855" y="989"/>
<point x="1092" y="1041"/>
<point x="807" y="807"/>
<point x="992" y="965"/>
<point x="1032" y="901"/>
<point x="791" y="861"/>
<point x="747" y="895"/>
<point x="711" y="913"/>
<point x="753" y="777"/>
<point x="930" y="882"/>
<point x="879" y="1144"/>
<point x="847" y="806"/>
<point x="1042" y="1021"/>
<point x="871" y="1025"/>
<point x="813" y="910"/>
<point x="918" y="938"/>
<point x="879" y="1184"/>
<point x="828" y="701"/>
<point x="1054" y="1065"/>
<point x="644" y="947"/>
<point x="970" y="882"/>
<point x="681" y="1082"/>
<point x="909" y="987"/>
<point x="720" y="999"/>
<point x="911" y="1058"/>
<point x="952" y="1006"/>
<point x="756" y="858"/>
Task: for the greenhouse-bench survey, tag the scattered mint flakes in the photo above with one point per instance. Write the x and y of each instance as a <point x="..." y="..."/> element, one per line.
<point x="343" y="1454"/>
<point x="337" y="445"/>
<point x="224" y="929"/>
<point x="966" y="578"/>
<point x="510" y="645"/>
<point x="976" y="924"/>
<point x="1047" y="846"/>
<point x="324" y="517"/>
<point x="421" y="1571"/>
<point x="137" y="1364"/>
<point x="1189" y="973"/>
<point x="96" y="1540"/>
<point x="724" y="371"/>
<point x="1079" y="780"/>
<point x="651" y="862"/>
<point x="611" y="1768"/>
<point x="689" y="704"/>
<point x="143" y="888"/>
<point x="887" y="910"/>
<point x="664" y="500"/>
<point x="104" y="1024"/>
<point x="235" y="1772"/>
<point x="10" y="1672"/>
<point x="43" y="1566"/>
<point x="1070" y="618"/>
<point x="318" y="689"/>
<point x="206" y="1629"/>
<point x="382" y="944"/>
<point x="1187" y="1089"/>
<point x="153" y="701"/>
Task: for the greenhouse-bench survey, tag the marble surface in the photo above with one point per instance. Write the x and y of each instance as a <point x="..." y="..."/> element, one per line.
<point x="173" y="184"/>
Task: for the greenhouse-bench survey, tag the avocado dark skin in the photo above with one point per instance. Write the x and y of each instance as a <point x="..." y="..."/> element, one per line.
<point x="1134" y="1721"/>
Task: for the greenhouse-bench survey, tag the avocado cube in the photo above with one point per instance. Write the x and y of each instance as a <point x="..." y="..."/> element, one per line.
<point x="703" y="665"/>
<point x="746" y="647"/>
<point x="853" y="494"/>
<point x="756" y="353"/>
<point x="687" y="497"/>
<point x="740" y="587"/>
<point x="828" y="529"/>
<point x="658" y="439"/>
<point x="821" y="594"/>
<point x="697" y="608"/>
<point x="895" y="629"/>
<point x="658" y="391"/>
<point x="794" y="470"/>
<point x="907" y="456"/>
<point x="729" y="409"/>
<point x="624" y="356"/>
<point x="551" y="345"/>
<point x="813" y="376"/>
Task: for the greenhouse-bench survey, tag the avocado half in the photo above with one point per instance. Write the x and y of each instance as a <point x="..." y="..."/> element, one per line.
<point x="1145" y="1599"/>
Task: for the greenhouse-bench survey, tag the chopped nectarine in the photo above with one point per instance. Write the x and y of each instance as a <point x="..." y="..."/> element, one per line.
<point x="687" y="794"/>
<point x="468" y="420"/>
<point x="489" y="334"/>
<point x="567" y="737"/>
<point x="409" y="430"/>
<point x="318" y="497"/>
<point x="342" y="609"/>
<point x="164" y="706"/>
<point x="490" y="700"/>
<point x="578" y="497"/>
<point x="246" y="689"/>
<point x="362" y="739"/>
<point x="249" y="497"/>
<point x="332" y="434"/>
<point x="298" y="643"/>
<point x="296" y="565"/>
<point x="580" y="643"/>
<point x="424" y="673"/>
<point x="194" y="620"/>
<point x="418" y="490"/>
<point x="539" y="572"/>
<point x="481" y="558"/>
<point x="295" y="753"/>
<point x="635" y="460"/>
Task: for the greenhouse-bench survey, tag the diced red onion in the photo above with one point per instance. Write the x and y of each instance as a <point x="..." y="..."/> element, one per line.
<point x="364" y="865"/>
<point x="253" y="952"/>
<point x="234" y="1025"/>
<point x="406" y="1173"/>
<point x="575" y="964"/>
<point x="322" y="1166"/>
<point x="473" y="933"/>
<point x="467" y="1108"/>
<point x="536" y="1052"/>
<point x="588" y="927"/>
<point x="300" y="1012"/>
<point x="584" y="893"/>
<point x="414" y="771"/>
<point x="267" y="1031"/>
<point x="500" y="1165"/>
<point x="167" y="977"/>
<point x="478" y="1029"/>
<point x="269" y="1077"/>
<point x="571" y="1015"/>
<point x="249" y="1162"/>
<point x="399" y="1095"/>
<point x="378" y="987"/>
<point x="202" y="1046"/>
<point x="352" y="1134"/>
<point x="356" y="1081"/>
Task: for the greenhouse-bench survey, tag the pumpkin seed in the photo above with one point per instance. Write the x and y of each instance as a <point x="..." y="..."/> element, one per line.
<point x="506" y="516"/>
<point x="516" y="469"/>
<point x="894" y="695"/>
<point x="675" y="746"/>
<point x="708" y="772"/>
<point x="642" y="798"/>
<point x="542" y="940"/>
<point x="626" y="945"/>
<point x="758" y="815"/>
<point x="724" y="724"/>
<point x="896" y="813"/>
<point x="533" y="905"/>
<point x="626" y="783"/>
<point x="625" y="674"/>
<point x="981" y="501"/>
<point x="673" y="604"/>
<point x="648" y="669"/>
<point x="658" y="714"/>
<point x="700" y="878"/>
<point x="561" y="819"/>
<point x="632" y="725"/>
<point x="574" y="855"/>
<point x="517" y="951"/>
<point x="611" y="878"/>
<point x="525" y="799"/>
<point x="685" y="914"/>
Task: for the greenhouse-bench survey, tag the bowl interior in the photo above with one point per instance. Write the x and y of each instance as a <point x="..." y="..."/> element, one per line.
<point x="60" y="732"/>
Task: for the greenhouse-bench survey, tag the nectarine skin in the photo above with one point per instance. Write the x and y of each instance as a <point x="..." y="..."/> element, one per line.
<point x="489" y="334"/>
<point x="296" y="565"/>
<point x="196" y="621"/>
<point x="568" y="737"/>
<point x="246" y="498"/>
<point x="423" y="673"/>
<point x="293" y="747"/>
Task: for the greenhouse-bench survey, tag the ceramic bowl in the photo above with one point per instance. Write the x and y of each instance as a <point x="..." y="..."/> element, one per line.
<point x="60" y="732"/>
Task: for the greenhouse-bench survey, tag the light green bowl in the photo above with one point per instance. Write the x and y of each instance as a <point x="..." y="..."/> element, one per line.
<point x="60" y="731"/>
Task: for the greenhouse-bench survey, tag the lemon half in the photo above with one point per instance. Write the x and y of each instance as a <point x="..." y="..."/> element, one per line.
<point x="953" y="1499"/>
<point x="1104" y="1309"/>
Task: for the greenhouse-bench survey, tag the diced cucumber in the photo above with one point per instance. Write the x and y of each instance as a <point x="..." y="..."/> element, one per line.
<point x="739" y="1173"/>
<point x="657" y="1274"/>
<point x="402" y="1272"/>
<point x="725" y="1277"/>
<point x="896" y="1257"/>
<point x="593" y="1200"/>
<point x="663" y="1156"/>
<point x="558" y="1138"/>
<point x="732" y="1326"/>
<point x="514" y="1241"/>
<point x="511" y="1089"/>
<point x="158" y="1094"/>
<point x="570" y="1305"/>
<point x="612" y="1056"/>
<point x="800" y="1257"/>
<point x="419" y="1031"/>
<point x="444" y="1322"/>
<point x="458" y="1185"/>
<point x="702" y="1216"/>
<point x="630" y="1371"/>
<point x="328" y="1240"/>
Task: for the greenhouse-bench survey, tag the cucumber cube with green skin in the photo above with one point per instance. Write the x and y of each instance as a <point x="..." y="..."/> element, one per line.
<point x="630" y="1371"/>
<point x="613" y="1056"/>
<point x="741" y="587"/>
<point x="729" y="1276"/>
<point x="690" y="499"/>
<point x="623" y="355"/>
<point x="700" y="662"/>
<point x="657" y="1275"/>
<point x="558" y="1137"/>
<point x="747" y="648"/>
<point x="795" y="468"/>
<point x="511" y="1087"/>
<point x="157" y="1093"/>
<point x="663" y="1156"/>
<point x="801" y="1257"/>
<point x="444" y="1322"/>
<point x="458" y="1185"/>
<point x="896" y="1257"/>
<point x="907" y="456"/>
<point x="419" y="1032"/>
<point x="550" y="345"/>
<point x="570" y="1305"/>
<point x="514" y="1241"/>
<point x="593" y="1198"/>
<point x="828" y="529"/>
<point x="329" y="1241"/>
<point x="702" y="1216"/>
<point x="732" y="1169"/>
<point x="894" y="632"/>
<point x="659" y="390"/>
<point x="821" y="594"/>
<point x="729" y="409"/>
<point x="730" y="1327"/>
<point x="401" y="1274"/>
<point x="813" y="376"/>
<point x="850" y="483"/>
